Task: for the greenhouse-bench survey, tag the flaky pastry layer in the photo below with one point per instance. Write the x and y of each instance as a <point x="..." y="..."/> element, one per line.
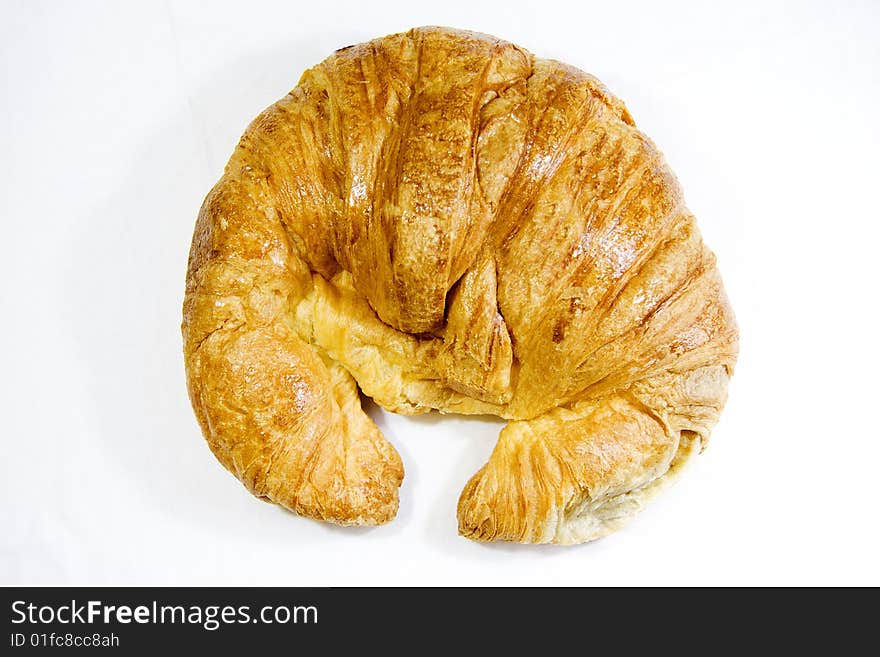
<point x="447" y="222"/>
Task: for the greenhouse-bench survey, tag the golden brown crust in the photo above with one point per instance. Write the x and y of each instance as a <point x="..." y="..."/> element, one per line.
<point x="453" y="224"/>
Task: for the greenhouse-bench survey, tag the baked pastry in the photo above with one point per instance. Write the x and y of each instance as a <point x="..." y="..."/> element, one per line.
<point x="447" y="222"/>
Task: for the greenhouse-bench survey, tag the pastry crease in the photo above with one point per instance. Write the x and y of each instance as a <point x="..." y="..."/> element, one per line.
<point x="442" y="221"/>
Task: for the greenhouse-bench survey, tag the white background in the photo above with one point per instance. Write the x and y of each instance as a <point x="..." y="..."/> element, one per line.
<point x="117" y="117"/>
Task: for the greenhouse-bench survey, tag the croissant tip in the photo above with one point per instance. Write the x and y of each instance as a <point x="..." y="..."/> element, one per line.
<point x="368" y="513"/>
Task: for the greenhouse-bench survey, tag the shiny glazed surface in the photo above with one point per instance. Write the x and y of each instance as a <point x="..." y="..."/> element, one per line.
<point x="447" y="222"/>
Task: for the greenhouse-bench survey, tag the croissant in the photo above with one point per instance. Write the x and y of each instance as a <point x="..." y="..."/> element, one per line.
<point x="443" y="221"/>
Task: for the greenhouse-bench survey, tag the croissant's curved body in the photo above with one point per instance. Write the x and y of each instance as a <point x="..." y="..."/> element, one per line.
<point x="449" y="223"/>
